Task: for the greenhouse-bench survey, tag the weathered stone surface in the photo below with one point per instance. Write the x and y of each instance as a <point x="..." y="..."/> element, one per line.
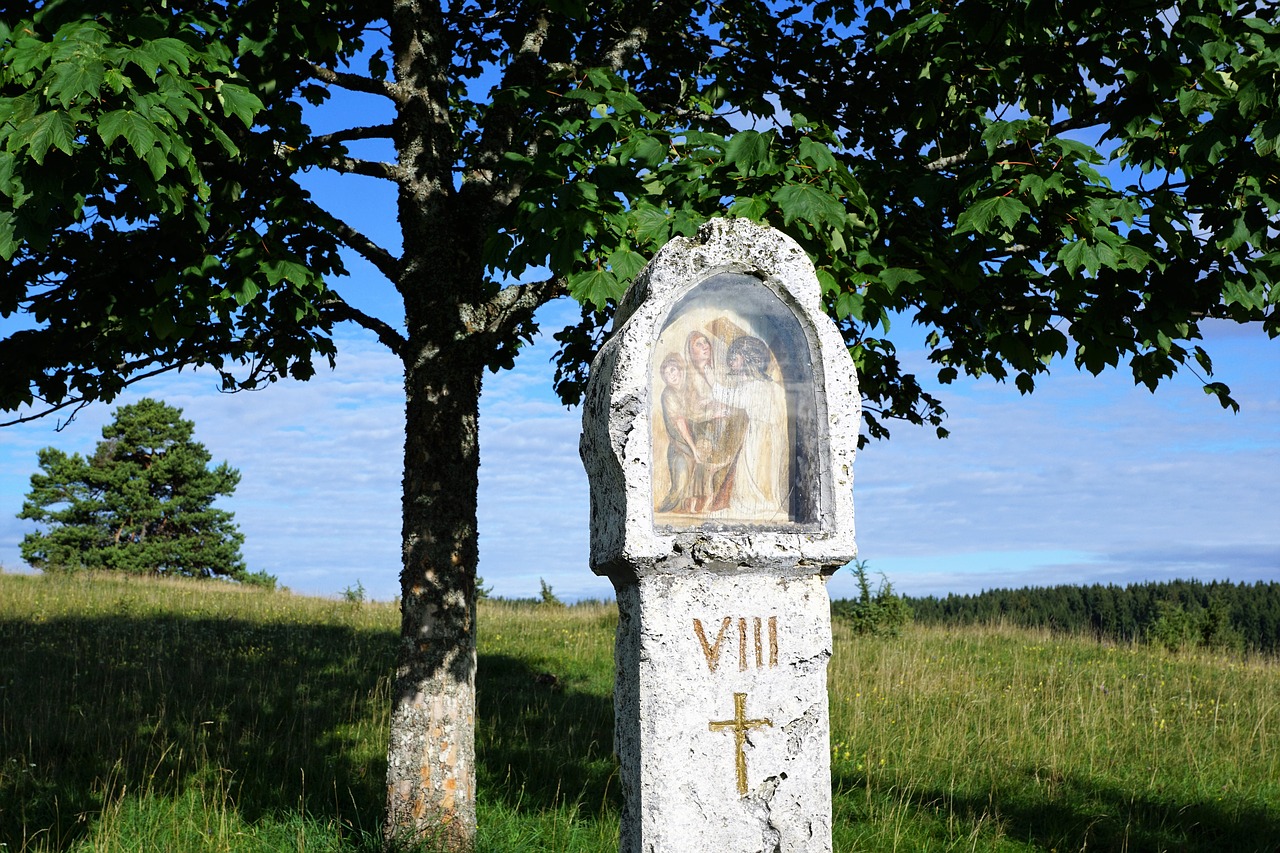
<point x="619" y="418"/>
<point x="687" y="645"/>
<point x="719" y="431"/>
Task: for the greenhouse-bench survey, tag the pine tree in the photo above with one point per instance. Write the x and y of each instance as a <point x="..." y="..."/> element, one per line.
<point x="143" y="503"/>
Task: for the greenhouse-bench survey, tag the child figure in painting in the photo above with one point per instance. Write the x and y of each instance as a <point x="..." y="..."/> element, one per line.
<point x="682" y="458"/>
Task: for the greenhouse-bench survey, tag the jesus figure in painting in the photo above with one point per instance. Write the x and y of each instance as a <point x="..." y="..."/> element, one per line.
<point x="760" y="473"/>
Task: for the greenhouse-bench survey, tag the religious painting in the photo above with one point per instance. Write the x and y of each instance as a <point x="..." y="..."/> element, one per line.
<point x="734" y="411"/>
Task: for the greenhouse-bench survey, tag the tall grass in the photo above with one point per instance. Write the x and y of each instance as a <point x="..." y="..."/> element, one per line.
<point x="142" y="715"/>
<point x="997" y="739"/>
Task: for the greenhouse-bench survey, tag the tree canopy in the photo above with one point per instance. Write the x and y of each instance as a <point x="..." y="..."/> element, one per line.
<point x="141" y="504"/>
<point x="1029" y="182"/>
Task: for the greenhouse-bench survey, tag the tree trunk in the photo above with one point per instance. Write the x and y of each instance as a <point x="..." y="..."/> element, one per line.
<point x="431" y="757"/>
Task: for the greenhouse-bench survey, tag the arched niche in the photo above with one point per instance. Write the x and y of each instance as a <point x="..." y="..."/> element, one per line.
<point x="735" y="411"/>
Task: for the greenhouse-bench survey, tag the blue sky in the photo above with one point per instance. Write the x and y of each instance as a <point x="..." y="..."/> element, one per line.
<point x="1088" y="479"/>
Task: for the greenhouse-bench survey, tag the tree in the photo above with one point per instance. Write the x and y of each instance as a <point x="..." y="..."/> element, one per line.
<point x="882" y="613"/>
<point x="942" y="161"/>
<point x="141" y="504"/>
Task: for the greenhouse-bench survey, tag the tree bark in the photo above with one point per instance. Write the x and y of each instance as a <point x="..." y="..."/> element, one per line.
<point x="431" y="757"/>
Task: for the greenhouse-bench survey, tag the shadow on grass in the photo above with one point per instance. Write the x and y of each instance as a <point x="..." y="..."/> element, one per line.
<point x="267" y="717"/>
<point x="1055" y="812"/>
<point x="544" y="741"/>
<point x="270" y="719"/>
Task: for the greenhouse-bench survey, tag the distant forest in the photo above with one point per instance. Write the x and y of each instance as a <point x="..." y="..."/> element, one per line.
<point x="1177" y="614"/>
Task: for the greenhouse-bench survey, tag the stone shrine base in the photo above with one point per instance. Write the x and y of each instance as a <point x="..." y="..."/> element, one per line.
<point x="722" y="723"/>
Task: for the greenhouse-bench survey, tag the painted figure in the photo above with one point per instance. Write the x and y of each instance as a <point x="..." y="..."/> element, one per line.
<point x="760" y="473"/>
<point x="726" y="424"/>
<point x="716" y="430"/>
<point x="682" y="459"/>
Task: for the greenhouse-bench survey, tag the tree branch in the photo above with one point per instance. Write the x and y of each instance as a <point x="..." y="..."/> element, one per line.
<point x="1071" y="123"/>
<point x="368" y="168"/>
<point x="947" y="162"/>
<point x="357" y="83"/>
<point x="342" y="311"/>
<point x="377" y="131"/>
<point x="354" y="239"/>
<point x="81" y="402"/>
<point x="527" y="69"/>
<point x="514" y="304"/>
<point x="498" y="133"/>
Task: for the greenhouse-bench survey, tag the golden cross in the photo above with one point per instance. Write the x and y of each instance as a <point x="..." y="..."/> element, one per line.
<point x="740" y="726"/>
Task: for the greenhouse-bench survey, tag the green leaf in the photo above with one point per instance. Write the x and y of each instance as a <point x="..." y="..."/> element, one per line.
<point x="649" y="151"/>
<point x="748" y="149"/>
<point x="749" y="207"/>
<point x="75" y="80"/>
<point x="626" y="264"/>
<point x="979" y="216"/>
<point x="895" y="276"/>
<point x="1266" y="137"/>
<point x="1077" y="254"/>
<point x="997" y="133"/>
<point x="8" y="241"/>
<point x="238" y="101"/>
<point x="156" y="161"/>
<point x="378" y="68"/>
<point x="1033" y="184"/>
<point x="1134" y="257"/>
<point x="816" y="154"/>
<point x="652" y="225"/>
<point x="225" y="141"/>
<point x="1223" y="393"/>
<point x="849" y="304"/>
<point x="282" y="270"/>
<point x="589" y="96"/>
<point x="165" y="53"/>
<point x="1236" y="292"/>
<point x="136" y="130"/>
<point x="116" y="81"/>
<point x="8" y="186"/>
<point x="807" y="203"/>
<point x="47" y="130"/>
<point x="595" y="287"/>
<point x="1240" y="235"/>
<point x="1205" y="362"/>
<point x="827" y="281"/>
<point x="244" y="292"/>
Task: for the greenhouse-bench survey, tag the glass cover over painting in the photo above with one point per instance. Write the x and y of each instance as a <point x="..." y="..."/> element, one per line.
<point x="735" y="415"/>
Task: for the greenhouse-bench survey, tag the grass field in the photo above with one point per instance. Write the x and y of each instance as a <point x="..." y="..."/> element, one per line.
<point x="141" y="716"/>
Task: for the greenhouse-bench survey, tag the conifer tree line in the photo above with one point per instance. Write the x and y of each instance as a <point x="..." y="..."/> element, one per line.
<point x="1177" y="614"/>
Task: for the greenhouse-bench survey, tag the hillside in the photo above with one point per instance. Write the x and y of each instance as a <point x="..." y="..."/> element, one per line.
<point x="205" y="717"/>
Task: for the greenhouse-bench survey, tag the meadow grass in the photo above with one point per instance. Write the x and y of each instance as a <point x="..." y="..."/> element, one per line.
<point x="145" y="715"/>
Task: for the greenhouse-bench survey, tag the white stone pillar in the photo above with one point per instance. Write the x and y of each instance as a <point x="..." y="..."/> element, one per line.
<point x="722" y="724"/>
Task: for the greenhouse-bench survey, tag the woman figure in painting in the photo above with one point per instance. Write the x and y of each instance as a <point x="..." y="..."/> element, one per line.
<point x="702" y="361"/>
<point x="717" y="430"/>
<point x="682" y="458"/>
<point x="761" y="474"/>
